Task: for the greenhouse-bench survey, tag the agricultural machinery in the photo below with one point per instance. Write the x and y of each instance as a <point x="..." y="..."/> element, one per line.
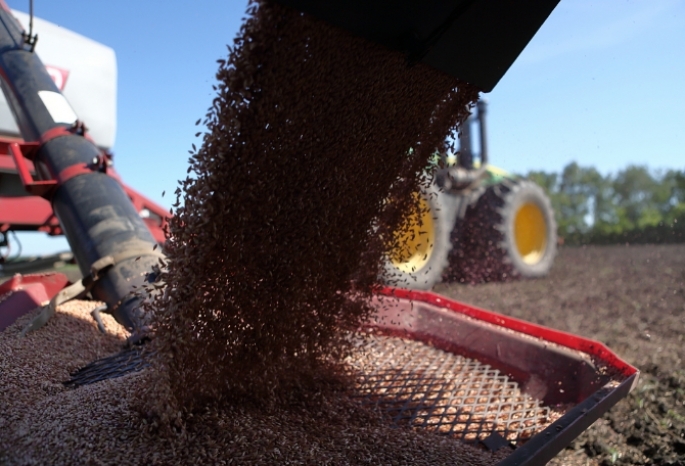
<point x="475" y="223"/>
<point x="57" y="177"/>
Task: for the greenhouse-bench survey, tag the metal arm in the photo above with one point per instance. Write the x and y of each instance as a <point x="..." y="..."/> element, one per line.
<point x="482" y="109"/>
<point x="93" y="209"/>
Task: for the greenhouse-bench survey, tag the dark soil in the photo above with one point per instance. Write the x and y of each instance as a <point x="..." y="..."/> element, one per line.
<point x="632" y="298"/>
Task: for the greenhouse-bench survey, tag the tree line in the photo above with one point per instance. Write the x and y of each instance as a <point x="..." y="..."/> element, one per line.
<point x="635" y="205"/>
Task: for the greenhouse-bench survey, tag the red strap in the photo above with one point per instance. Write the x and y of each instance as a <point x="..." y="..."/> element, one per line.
<point x="55" y="132"/>
<point x="62" y="131"/>
<point x="72" y="171"/>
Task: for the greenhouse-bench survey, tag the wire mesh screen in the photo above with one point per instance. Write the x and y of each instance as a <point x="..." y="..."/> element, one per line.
<point x="419" y="386"/>
<point x="412" y="383"/>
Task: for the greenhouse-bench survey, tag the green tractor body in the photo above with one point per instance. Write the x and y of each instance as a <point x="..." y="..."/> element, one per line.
<point x="476" y="223"/>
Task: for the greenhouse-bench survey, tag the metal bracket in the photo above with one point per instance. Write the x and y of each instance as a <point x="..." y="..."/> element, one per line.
<point x="20" y="152"/>
<point x="95" y="314"/>
<point x="30" y="38"/>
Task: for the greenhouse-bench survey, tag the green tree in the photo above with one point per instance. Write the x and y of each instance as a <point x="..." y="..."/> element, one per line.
<point x="634" y="205"/>
<point x="675" y="207"/>
<point x="581" y="198"/>
<point x="641" y="199"/>
<point x="577" y="196"/>
<point x="547" y="181"/>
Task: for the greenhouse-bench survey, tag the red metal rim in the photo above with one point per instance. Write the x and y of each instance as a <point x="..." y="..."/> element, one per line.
<point x="568" y="340"/>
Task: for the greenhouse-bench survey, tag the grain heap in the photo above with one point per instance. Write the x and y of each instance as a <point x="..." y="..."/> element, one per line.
<point x="42" y="422"/>
<point x="315" y="142"/>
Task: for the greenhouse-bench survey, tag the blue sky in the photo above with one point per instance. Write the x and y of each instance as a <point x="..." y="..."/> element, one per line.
<point x="602" y="83"/>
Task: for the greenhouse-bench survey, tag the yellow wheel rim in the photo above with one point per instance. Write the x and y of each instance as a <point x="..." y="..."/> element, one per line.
<point x="530" y="233"/>
<point x="414" y="241"/>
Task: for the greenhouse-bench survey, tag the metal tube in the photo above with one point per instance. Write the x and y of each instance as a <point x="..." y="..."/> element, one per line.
<point x="465" y="159"/>
<point x="482" y="110"/>
<point x="94" y="212"/>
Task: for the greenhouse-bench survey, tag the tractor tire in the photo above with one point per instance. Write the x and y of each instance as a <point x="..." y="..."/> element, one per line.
<point x="420" y="265"/>
<point x="508" y="233"/>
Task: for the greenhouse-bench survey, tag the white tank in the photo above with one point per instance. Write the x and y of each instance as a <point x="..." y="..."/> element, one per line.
<point x="84" y="70"/>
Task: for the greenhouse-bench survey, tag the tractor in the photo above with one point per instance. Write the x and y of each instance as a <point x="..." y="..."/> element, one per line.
<point x="474" y="223"/>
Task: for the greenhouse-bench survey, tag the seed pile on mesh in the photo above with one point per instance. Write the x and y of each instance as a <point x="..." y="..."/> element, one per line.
<point x="424" y="387"/>
<point x="43" y="422"/>
<point x="315" y="142"/>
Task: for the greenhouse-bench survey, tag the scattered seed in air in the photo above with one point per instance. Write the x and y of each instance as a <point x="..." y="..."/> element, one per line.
<point x="293" y="201"/>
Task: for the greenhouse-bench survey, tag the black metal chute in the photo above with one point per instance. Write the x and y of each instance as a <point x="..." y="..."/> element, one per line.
<point x="474" y="40"/>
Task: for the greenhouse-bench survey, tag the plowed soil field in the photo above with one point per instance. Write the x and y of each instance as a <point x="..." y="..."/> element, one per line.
<point x="632" y="298"/>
